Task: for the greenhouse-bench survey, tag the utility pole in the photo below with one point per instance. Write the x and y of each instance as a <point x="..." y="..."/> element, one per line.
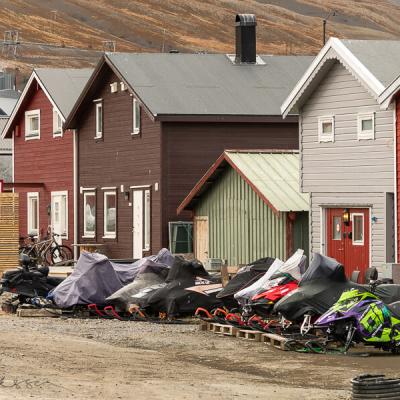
<point x="324" y="21"/>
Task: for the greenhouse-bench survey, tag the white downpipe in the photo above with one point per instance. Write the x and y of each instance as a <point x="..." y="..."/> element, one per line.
<point x="75" y="191"/>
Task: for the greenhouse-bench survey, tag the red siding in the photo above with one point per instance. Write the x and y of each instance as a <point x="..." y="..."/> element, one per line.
<point x="47" y="160"/>
<point x="119" y="159"/>
<point x="398" y="169"/>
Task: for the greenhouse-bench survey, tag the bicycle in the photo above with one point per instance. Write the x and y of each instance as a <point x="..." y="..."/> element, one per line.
<point x="46" y="252"/>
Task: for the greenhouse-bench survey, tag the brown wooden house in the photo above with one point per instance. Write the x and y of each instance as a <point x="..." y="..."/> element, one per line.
<point x="150" y="125"/>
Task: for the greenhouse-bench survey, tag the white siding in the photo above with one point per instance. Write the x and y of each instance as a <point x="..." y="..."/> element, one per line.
<point x="347" y="172"/>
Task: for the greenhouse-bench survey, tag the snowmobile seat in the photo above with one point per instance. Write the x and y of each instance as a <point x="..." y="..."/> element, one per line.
<point x="395" y="309"/>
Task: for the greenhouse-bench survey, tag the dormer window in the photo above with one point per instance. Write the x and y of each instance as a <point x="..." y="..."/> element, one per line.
<point x="57" y="124"/>
<point x="136" y="117"/>
<point x="99" y="119"/>
<point x="366" y="126"/>
<point x="326" y="129"/>
<point x="32" y="124"/>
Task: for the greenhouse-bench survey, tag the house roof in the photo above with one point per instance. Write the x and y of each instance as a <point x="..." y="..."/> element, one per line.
<point x="202" y="84"/>
<point x="375" y="63"/>
<point x="62" y="86"/>
<point x="5" y="144"/>
<point x="273" y="175"/>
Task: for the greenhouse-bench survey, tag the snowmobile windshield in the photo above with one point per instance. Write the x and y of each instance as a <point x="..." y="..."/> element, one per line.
<point x="185" y="270"/>
<point x="324" y="268"/>
<point x="246" y="276"/>
<point x="295" y="265"/>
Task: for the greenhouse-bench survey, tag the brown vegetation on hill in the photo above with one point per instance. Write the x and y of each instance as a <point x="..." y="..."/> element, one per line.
<point x="79" y="27"/>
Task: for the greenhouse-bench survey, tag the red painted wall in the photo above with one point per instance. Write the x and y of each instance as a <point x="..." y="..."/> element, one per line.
<point x="48" y="161"/>
<point x="398" y="169"/>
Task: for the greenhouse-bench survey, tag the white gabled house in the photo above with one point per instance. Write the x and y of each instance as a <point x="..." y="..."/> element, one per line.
<point x="347" y="150"/>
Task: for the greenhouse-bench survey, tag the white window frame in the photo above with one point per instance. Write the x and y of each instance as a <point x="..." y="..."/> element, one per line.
<point x="61" y="193"/>
<point x="87" y="234"/>
<point x="29" y="196"/>
<point x="31" y="135"/>
<point x="369" y="134"/>
<point x="114" y="87"/>
<point x="136" y="109"/>
<point x="99" y="133"/>
<point x="107" y="234"/>
<point x="57" y="129"/>
<point x="323" y="137"/>
<point x="147" y="220"/>
<point x="359" y="242"/>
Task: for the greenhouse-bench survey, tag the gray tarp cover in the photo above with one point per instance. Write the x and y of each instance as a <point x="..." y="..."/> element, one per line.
<point x="95" y="278"/>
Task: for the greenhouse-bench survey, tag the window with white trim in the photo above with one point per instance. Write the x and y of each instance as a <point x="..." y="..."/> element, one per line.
<point x="32" y="124"/>
<point x="99" y="120"/>
<point x="110" y="214"/>
<point x="33" y="213"/>
<point x="59" y="213"/>
<point x="366" y="126"/>
<point x="147" y="220"/>
<point x="89" y="214"/>
<point x="57" y="123"/>
<point x="326" y="129"/>
<point x="358" y="229"/>
<point x="136" y="117"/>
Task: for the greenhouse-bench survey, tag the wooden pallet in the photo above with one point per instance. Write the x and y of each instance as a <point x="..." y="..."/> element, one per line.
<point x="274" y="340"/>
<point x="219" y="329"/>
<point x="254" y="336"/>
<point x="38" y="312"/>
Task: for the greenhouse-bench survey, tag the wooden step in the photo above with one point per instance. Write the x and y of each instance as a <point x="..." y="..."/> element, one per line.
<point x="254" y="336"/>
<point x="38" y="312"/>
<point x="274" y="340"/>
<point x="226" y="330"/>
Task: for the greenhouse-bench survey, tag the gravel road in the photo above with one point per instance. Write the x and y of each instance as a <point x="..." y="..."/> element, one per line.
<point x="57" y="358"/>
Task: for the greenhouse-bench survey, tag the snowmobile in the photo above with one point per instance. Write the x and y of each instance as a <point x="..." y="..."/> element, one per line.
<point x="360" y="316"/>
<point x="320" y="287"/>
<point x="27" y="282"/>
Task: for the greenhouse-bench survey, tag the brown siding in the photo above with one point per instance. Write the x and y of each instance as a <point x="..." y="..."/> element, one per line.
<point x="119" y="159"/>
<point x="189" y="149"/>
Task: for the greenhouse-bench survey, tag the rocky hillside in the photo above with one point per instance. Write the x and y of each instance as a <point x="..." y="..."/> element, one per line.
<point x="72" y="32"/>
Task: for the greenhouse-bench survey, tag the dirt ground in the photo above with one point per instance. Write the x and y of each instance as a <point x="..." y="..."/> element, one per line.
<point x="106" y="359"/>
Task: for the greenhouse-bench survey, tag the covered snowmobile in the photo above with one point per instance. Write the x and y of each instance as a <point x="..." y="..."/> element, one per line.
<point x="152" y="270"/>
<point x="187" y="287"/>
<point x="245" y="277"/>
<point x="94" y="278"/>
<point x="321" y="286"/>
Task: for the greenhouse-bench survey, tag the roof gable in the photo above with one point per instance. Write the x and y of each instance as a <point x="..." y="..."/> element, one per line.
<point x="61" y="86"/>
<point x="363" y="58"/>
<point x="273" y="175"/>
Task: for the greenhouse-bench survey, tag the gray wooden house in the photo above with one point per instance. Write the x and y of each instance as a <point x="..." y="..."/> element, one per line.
<point x="248" y="206"/>
<point x="347" y="154"/>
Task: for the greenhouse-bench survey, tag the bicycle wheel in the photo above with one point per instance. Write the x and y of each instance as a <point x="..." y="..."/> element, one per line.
<point x="61" y="253"/>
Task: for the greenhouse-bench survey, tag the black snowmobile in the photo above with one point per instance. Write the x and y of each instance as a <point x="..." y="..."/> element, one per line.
<point x="321" y="286"/>
<point x="27" y="282"/>
<point x="187" y="287"/>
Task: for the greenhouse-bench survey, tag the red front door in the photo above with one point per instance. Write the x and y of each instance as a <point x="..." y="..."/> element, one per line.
<point x="348" y="242"/>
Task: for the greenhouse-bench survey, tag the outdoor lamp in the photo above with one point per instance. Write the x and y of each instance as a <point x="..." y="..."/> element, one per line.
<point x="346" y="216"/>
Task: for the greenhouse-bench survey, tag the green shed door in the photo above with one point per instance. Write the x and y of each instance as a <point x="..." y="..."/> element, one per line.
<point x="300" y="233"/>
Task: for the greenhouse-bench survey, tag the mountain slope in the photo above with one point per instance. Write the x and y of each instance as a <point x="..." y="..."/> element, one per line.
<point x="284" y="26"/>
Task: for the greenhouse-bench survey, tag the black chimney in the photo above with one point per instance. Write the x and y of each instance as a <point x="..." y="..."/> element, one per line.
<point x="245" y="38"/>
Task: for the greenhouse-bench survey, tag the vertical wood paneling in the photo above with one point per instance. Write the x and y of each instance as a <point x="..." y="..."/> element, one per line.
<point x="242" y="228"/>
<point x="9" y="231"/>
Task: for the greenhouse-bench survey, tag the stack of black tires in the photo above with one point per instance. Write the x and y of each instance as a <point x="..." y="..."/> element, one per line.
<point x="366" y="387"/>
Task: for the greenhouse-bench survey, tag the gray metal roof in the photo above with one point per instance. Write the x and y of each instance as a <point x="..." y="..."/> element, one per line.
<point x="209" y="84"/>
<point x="380" y="57"/>
<point x="64" y="85"/>
<point x="8" y="99"/>
<point x="273" y="175"/>
<point x="5" y="144"/>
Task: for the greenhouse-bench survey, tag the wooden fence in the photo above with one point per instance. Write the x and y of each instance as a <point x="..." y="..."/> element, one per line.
<point x="9" y="231"/>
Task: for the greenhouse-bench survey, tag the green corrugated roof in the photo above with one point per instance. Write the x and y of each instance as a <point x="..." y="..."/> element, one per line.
<point x="274" y="175"/>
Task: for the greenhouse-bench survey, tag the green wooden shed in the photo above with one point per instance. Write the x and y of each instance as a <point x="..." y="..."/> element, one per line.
<point x="247" y="206"/>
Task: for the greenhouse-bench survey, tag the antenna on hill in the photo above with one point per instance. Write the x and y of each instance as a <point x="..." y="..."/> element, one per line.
<point x="11" y="43"/>
<point x="54" y="14"/>
<point x="163" y="41"/>
<point x="324" y="21"/>
<point x="109" y="46"/>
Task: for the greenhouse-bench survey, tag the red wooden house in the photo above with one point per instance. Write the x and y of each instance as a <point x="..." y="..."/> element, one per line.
<point x="43" y="154"/>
